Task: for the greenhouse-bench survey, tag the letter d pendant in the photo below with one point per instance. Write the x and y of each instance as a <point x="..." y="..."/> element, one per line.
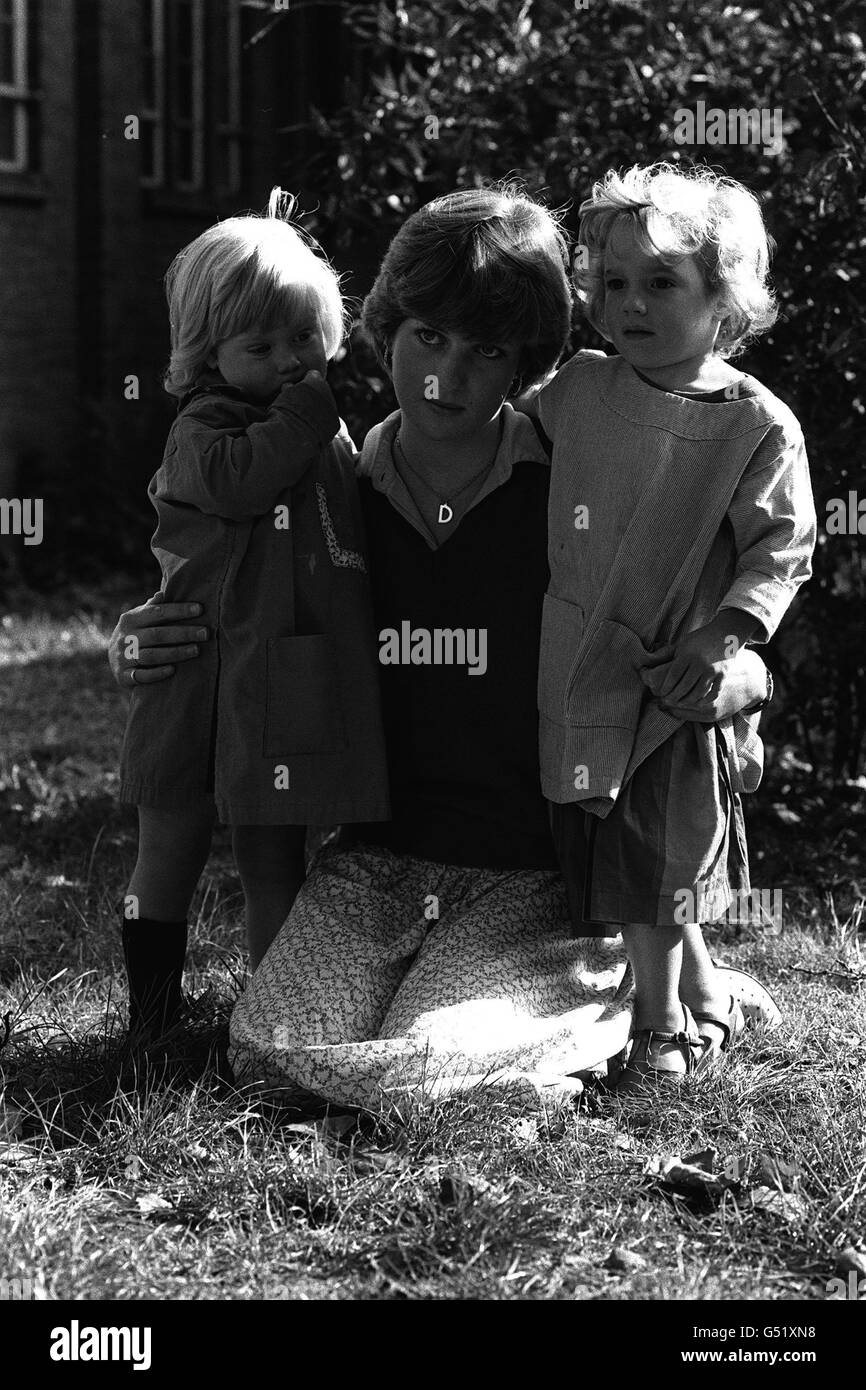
<point x="445" y="513"/>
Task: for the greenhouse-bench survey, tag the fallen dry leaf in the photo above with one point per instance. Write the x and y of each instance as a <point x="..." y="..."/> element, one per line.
<point x="772" y="1171"/>
<point x="788" y="1205"/>
<point x="334" y="1126"/>
<point x="686" y="1178"/>
<point x="526" y="1130"/>
<point x="705" y="1159"/>
<point x="456" y="1187"/>
<point x="375" y="1159"/>
<point x="629" y="1261"/>
<point x="851" y="1258"/>
<point x="151" y="1201"/>
<point x="19" y="1153"/>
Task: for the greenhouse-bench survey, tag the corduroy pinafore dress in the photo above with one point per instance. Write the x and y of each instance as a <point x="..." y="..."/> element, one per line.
<point x="663" y="510"/>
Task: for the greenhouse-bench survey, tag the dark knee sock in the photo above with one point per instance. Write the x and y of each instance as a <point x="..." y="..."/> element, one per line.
<point x="154" y="953"/>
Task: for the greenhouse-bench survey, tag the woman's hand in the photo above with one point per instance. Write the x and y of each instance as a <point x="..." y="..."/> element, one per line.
<point x="150" y="638"/>
<point x="741" y="682"/>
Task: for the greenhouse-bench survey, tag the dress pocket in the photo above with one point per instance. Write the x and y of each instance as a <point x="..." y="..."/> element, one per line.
<point x="304" y="712"/>
<point x="561" y="631"/>
<point x="605" y="687"/>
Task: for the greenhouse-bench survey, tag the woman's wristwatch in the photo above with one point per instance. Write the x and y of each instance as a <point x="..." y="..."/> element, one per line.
<point x="753" y="709"/>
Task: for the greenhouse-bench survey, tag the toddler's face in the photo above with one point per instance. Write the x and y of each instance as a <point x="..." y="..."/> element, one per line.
<point x="658" y="312"/>
<point x="260" y="361"/>
<point x="448" y="385"/>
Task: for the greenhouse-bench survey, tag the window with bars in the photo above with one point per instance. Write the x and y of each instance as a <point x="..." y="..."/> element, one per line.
<point x="192" y="114"/>
<point x="18" y="142"/>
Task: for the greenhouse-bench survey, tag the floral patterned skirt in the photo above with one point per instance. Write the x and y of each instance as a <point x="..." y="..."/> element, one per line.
<point x="396" y="977"/>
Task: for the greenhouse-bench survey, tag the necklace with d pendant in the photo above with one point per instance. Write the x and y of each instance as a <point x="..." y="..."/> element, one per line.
<point x="446" y="511"/>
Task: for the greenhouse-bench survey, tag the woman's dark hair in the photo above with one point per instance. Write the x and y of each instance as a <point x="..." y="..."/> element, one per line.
<point x="489" y="263"/>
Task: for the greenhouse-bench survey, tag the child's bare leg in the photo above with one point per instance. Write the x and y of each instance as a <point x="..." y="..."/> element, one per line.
<point x="656" y="956"/>
<point x="656" y="959"/>
<point x="270" y="862"/>
<point x="699" y="984"/>
<point x="700" y="988"/>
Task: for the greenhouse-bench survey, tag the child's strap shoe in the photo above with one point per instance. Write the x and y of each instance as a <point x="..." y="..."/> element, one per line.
<point x="666" y="1058"/>
<point x="731" y="1024"/>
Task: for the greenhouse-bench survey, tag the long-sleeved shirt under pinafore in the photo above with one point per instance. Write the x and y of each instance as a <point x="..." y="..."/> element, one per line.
<point x="664" y="509"/>
<point x="278" y="719"/>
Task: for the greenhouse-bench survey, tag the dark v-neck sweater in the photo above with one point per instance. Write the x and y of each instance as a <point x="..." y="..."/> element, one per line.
<point x="463" y="749"/>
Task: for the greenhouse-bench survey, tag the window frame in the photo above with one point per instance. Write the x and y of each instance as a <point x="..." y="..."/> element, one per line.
<point x="155" y="116"/>
<point x="192" y="126"/>
<point x="231" y="131"/>
<point x="19" y="92"/>
<point x="215" y="84"/>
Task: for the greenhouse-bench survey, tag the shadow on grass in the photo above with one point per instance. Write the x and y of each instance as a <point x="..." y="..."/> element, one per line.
<point x="64" y="1090"/>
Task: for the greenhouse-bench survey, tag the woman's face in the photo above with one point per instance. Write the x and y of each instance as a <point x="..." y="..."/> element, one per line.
<point x="447" y="386"/>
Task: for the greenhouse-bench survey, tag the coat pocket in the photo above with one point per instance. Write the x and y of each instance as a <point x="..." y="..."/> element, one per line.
<point x="304" y="712"/>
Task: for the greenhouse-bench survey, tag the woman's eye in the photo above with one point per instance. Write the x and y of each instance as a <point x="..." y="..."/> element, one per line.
<point x="304" y="336"/>
<point x="613" y="284"/>
<point x="258" y="349"/>
<point x="429" y="336"/>
<point x="661" y="282"/>
<point x="489" y="351"/>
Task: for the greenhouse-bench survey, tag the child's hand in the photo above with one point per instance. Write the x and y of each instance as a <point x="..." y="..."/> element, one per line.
<point x="655" y="668"/>
<point x="691" y="668"/>
<point x="316" y="378"/>
<point x="742" y="684"/>
<point x="697" y="664"/>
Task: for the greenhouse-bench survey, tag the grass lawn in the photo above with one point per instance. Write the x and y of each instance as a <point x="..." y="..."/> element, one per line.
<point x="198" y="1191"/>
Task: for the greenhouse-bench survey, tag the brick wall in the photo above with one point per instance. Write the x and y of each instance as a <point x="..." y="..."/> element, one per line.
<point x="38" y="341"/>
